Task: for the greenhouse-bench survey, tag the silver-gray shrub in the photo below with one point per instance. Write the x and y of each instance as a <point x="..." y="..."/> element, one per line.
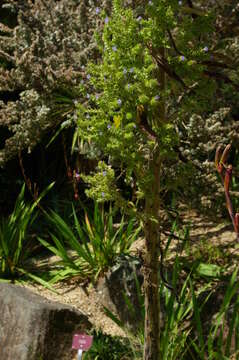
<point x="46" y="53"/>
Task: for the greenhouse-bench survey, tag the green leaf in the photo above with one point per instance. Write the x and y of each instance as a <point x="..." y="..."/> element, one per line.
<point x="209" y="270"/>
<point x="113" y="317"/>
<point x="198" y="323"/>
<point x="38" y="279"/>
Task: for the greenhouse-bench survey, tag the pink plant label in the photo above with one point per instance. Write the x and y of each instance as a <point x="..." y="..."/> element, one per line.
<point x="82" y="342"/>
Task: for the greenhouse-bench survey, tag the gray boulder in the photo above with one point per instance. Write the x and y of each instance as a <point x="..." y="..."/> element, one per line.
<point x="33" y="328"/>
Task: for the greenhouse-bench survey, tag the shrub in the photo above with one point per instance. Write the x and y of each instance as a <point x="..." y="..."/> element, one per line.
<point x="46" y="52"/>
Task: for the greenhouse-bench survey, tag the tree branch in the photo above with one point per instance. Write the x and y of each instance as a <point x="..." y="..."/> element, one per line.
<point x="220" y="76"/>
<point x="193" y="11"/>
<point x="173" y="42"/>
<point x="142" y="122"/>
<point x="163" y="64"/>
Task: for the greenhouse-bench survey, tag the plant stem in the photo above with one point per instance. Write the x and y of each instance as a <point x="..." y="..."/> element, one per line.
<point x="151" y="279"/>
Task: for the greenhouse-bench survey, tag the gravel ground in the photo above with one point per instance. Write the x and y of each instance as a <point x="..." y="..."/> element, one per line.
<point x="87" y="300"/>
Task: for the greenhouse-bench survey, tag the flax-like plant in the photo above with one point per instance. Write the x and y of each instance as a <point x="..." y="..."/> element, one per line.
<point x="225" y="172"/>
<point x="15" y="245"/>
<point x="94" y="243"/>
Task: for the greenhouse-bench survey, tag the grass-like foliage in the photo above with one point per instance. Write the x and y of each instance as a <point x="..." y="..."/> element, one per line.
<point x="183" y="335"/>
<point x="222" y="340"/>
<point x="15" y="245"/>
<point x="94" y="243"/>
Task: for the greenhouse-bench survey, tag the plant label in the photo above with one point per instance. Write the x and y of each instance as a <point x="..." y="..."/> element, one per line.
<point x="82" y="342"/>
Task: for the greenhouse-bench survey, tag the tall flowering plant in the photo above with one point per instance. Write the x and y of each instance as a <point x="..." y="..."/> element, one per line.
<point x="153" y="66"/>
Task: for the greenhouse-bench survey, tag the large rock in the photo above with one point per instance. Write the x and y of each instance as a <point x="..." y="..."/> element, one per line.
<point x="32" y="328"/>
